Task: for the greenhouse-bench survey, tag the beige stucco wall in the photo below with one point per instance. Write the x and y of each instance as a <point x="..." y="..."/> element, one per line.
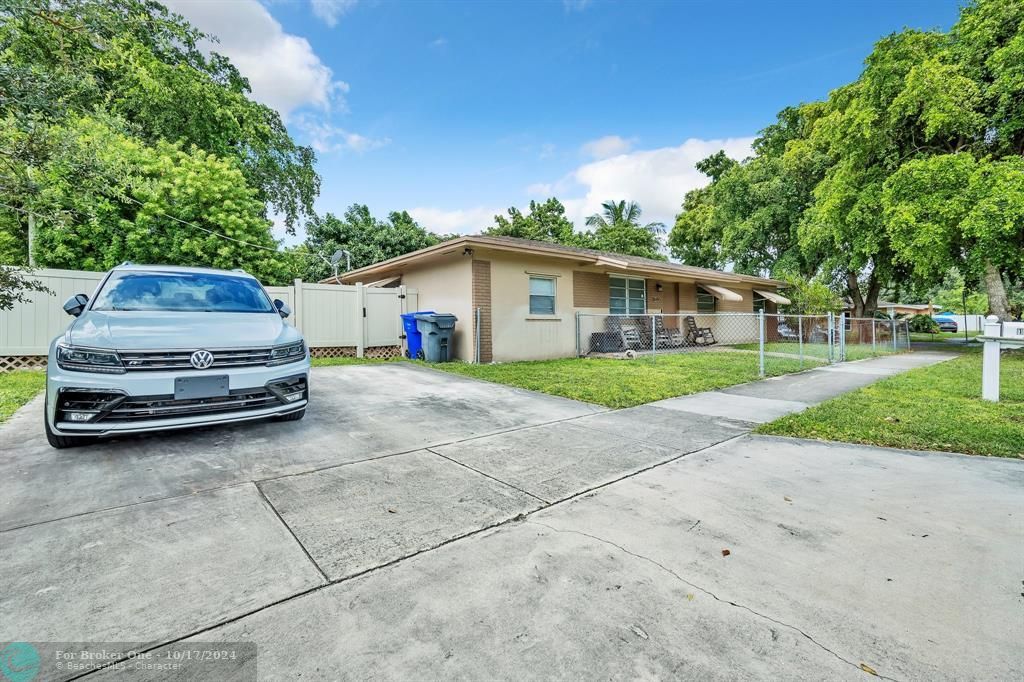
<point x="518" y="335"/>
<point x="446" y="286"/>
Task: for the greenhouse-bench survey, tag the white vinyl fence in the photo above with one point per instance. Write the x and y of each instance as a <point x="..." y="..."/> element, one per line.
<point x="335" y="319"/>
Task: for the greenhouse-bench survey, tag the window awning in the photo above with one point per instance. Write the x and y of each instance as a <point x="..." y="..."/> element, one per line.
<point x="721" y="293"/>
<point x="773" y="297"/>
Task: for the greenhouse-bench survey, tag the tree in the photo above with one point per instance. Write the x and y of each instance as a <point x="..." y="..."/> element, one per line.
<point x="622" y="213"/>
<point x="953" y="210"/>
<point x="852" y="189"/>
<point x="368" y="239"/>
<point x="545" y="222"/>
<point x="14" y="282"/>
<point x="617" y="229"/>
<point x="748" y="217"/>
<point x="810" y="296"/>
<point x="173" y="205"/>
<point x="137" y="62"/>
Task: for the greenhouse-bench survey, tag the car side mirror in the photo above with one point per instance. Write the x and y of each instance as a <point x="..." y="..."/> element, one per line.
<point x="282" y="308"/>
<point x="76" y="304"/>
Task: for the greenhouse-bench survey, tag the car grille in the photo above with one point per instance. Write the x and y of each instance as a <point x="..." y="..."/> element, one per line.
<point x="180" y="359"/>
<point x="110" y="407"/>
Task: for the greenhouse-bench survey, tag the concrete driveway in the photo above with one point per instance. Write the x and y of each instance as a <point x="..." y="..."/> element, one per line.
<point x="423" y="525"/>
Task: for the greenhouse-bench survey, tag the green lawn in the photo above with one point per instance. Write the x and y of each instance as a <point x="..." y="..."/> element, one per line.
<point x="819" y="351"/>
<point x="331" y="362"/>
<point x="940" y="336"/>
<point x="624" y="383"/>
<point x="931" y="408"/>
<point x="17" y="388"/>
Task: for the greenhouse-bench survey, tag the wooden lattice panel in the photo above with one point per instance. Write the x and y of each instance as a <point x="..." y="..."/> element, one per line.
<point x="372" y="352"/>
<point x="383" y="352"/>
<point x="333" y="352"/>
<point x="9" y="363"/>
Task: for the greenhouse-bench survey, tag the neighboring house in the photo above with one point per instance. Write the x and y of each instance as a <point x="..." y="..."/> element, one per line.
<point x="901" y="309"/>
<point x="528" y="292"/>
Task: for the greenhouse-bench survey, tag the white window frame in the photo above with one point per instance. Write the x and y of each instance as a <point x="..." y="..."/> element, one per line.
<point x="554" y="294"/>
<point x="630" y="294"/>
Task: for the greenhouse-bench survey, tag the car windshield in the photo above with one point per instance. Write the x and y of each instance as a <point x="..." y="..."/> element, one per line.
<point x="182" y="291"/>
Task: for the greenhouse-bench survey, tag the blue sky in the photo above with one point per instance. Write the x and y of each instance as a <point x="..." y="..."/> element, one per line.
<point x="456" y="110"/>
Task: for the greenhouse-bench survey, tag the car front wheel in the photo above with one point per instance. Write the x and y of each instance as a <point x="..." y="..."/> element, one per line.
<point x="60" y="442"/>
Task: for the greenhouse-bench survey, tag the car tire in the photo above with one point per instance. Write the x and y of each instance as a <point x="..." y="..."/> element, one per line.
<point x="293" y="416"/>
<point x="60" y="442"/>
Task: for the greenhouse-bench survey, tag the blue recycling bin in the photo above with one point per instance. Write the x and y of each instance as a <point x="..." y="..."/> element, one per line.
<point x="413" y="337"/>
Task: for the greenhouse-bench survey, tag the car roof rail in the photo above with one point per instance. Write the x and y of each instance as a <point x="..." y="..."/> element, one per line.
<point x="126" y="263"/>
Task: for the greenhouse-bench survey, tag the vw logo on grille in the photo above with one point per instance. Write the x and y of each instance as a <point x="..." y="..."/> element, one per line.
<point x="201" y="359"/>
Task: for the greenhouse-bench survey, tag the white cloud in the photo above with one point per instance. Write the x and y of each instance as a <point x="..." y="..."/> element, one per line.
<point x="325" y="138"/>
<point x="461" y="221"/>
<point x="282" y="68"/>
<point x="657" y="179"/>
<point x="330" y="11"/>
<point x="438" y="43"/>
<point x="609" y="145"/>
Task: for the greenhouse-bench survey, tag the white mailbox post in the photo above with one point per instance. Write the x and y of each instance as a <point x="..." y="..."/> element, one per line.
<point x="996" y="337"/>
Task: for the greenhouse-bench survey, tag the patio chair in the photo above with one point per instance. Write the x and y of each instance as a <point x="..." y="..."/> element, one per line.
<point x="667" y="337"/>
<point x="698" y="336"/>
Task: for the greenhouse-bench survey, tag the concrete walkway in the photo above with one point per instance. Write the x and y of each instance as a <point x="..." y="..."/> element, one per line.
<point x="477" y="531"/>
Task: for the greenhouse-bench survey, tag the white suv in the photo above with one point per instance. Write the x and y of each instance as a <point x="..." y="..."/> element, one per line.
<point x="161" y="347"/>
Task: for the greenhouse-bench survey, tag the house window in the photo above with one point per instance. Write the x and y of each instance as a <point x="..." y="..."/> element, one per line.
<point x="760" y="304"/>
<point x="542" y="295"/>
<point x="705" y="302"/>
<point x="627" y="296"/>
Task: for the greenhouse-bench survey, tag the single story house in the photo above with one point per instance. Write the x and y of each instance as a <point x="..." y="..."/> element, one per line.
<point x="528" y="292"/>
<point x="900" y="309"/>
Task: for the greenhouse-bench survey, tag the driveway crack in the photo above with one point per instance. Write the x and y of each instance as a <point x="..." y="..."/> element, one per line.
<point x="666" y="569"/>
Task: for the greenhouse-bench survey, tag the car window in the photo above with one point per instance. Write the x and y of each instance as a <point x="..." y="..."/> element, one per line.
<point x="199" y="292"/>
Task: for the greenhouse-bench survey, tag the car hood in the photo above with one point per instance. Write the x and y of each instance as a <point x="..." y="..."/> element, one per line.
<point x="123" y="330"/>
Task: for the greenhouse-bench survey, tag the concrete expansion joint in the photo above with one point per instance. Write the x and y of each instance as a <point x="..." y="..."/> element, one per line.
<point x="666" y="569"/>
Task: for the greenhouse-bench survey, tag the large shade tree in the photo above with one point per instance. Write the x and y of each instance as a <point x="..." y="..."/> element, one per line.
<point x="128" y="72"/>
<point x="911" y="169"/>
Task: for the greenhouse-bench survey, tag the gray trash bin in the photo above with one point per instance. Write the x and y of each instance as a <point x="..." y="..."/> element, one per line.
<point x="437" y="330"/>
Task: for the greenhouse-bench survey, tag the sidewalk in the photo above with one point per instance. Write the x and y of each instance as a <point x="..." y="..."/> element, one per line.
<point x="767" y="400"/>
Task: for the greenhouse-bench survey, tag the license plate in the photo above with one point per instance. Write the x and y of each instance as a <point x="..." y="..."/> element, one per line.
<point x="190" y="388"/>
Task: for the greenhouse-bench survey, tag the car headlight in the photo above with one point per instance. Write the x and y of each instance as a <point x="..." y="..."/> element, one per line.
<point x="293" y="352"/>
<point x="89" y="360"/>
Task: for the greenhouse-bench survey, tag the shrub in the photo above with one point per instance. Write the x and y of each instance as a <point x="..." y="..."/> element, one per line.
<point x="924" y="324"/>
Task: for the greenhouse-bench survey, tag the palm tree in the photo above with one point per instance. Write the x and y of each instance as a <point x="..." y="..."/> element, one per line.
<point x="622" y="213"/>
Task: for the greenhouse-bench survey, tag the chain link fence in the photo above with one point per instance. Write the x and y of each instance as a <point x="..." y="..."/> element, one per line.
<point x="775" y="343"/>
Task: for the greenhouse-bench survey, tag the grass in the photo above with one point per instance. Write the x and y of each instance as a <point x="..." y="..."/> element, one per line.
<point x="940" y="336"/>
<point x="820" y="350"/>
<point x="625" y="383"/>
<point x="17" y="388"/>
<point x="332" y="362"/>
<point x="931" y="408"/>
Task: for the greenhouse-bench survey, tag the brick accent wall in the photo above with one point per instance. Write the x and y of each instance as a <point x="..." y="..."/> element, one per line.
<point x="482" y="300"/>
<point x="589" y="289"/>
